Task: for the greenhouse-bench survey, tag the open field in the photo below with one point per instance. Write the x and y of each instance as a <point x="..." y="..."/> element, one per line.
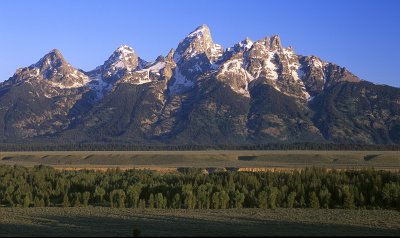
<point x="172" y="160"/>
<point x="106" y="221"/>
<point x="100" y="221"/>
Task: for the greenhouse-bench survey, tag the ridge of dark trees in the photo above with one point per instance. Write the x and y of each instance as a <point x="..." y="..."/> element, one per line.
<point x="191" y="147"/>
<point x="43" y="186"/>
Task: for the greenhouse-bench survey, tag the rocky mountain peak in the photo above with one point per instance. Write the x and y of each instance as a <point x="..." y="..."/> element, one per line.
<point x="51" y="71"/>
<point x="199" y="31"/>
<point x="269" y="43"/>
<point x="290" y="48"/>
<point x="54" y="67"/>
<point x="247" y="43"/>
<point x="125" y="49"/>
<point x="275" y="42"/>
<point x="160" y="58"/>
<point x="53" y="59"/>
<point x="142" y="63"/>
<point x="244" y="45"/>
<point x="258" y="92"/>
<point x="55" y="54"/>
<point x="122" y="59"/>
<point x="196" y="43"/>
<point x="170" y="55"/>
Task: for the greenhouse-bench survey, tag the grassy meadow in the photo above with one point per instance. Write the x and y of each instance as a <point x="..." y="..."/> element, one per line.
<point x="80" y="217"/>
<point x="158" y="160"/>
<point x="100" y="221"/>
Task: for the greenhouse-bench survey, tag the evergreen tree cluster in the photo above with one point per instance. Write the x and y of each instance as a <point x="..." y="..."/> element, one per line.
<point x="195" y="189"/>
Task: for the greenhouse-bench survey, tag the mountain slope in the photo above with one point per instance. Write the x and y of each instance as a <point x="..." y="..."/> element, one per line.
<point x="359" y="113"/>
<point x="199" y="93"/>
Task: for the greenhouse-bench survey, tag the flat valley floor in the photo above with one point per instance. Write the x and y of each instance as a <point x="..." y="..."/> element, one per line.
<point x="169" y="161"/>
<point x="102" y="221"/>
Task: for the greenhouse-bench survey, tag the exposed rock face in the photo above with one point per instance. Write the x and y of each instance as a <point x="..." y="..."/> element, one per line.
<point x="40" y="99"/>
<point x="196" y="43"/>
<point x="194" y="56"/>
<point x="358" y="113"/>
<point x="121" y="61"/>
<point x="253" y="92"/>
<point x="53" y="70"/>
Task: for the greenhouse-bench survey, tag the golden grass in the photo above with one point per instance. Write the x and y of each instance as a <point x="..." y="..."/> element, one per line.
<point x="170" y="160"/>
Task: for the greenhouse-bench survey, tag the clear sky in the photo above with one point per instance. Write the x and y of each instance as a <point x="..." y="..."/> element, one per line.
<point x="361" y="35"/>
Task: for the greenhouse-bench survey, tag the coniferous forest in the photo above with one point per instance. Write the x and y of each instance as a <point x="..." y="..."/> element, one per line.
<point x="42" y="186"/>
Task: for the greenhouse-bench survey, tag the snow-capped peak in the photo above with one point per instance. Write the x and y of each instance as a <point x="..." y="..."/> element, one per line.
<point x="198" y="42"/>
<point x="199" y="31"/>
<point x="123" y="58"/>
<point x="246" y="44"/>
<point x="125" y="51"/>
<point x="53" y="71"/>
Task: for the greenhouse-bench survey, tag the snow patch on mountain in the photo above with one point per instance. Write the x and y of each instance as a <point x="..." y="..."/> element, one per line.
<point x="146" y="75"/>
<point x="233" y="74"/>
<point x="99" y="86"/>
<point x="156" y="67"/>
<point x="123" y="58"/>
<point x="245" y="44"/>
<point x="271" y="67"/>
<point x="196" y="43"/>
<point x="260" y="60"/>
<point x="180" y="83"/>
<point x="293" y="63"/>
<point x="216" y="53"/>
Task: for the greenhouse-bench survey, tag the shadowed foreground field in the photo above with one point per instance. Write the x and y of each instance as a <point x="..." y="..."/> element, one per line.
<point x="101" y="221"/>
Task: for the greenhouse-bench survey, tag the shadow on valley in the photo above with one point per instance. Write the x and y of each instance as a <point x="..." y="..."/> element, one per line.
<point x="122" y="224"/>
<point x="247" y="158"/>
<point x="370" y="157"/>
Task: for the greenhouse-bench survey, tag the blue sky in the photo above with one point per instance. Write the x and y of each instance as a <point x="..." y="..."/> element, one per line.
<point x="363" y="36"/>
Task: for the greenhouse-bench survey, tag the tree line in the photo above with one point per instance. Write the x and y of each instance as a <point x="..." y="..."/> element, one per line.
<point x="43" y="186"/>
<point x="191" y="147"/>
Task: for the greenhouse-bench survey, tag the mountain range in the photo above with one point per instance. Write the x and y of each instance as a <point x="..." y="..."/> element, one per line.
<point x="199" y="93"/>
